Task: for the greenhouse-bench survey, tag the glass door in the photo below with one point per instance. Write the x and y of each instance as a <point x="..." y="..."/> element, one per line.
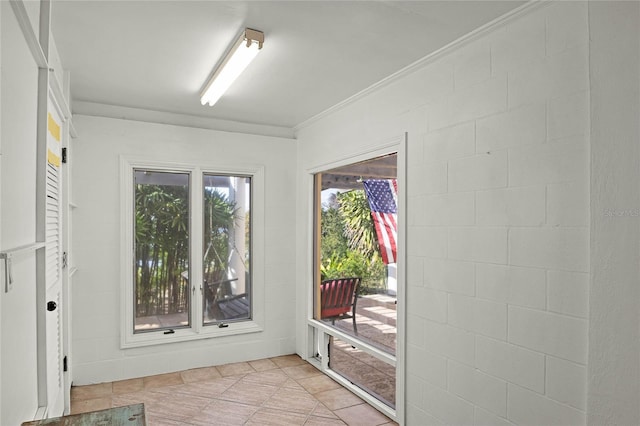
<point x="355" y="286"/>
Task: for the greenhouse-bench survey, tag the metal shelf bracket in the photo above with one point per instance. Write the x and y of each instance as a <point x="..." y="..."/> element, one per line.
<point x="7" y="257"/>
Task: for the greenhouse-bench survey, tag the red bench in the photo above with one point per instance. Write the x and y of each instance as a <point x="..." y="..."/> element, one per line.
<point x="338" y="297"/>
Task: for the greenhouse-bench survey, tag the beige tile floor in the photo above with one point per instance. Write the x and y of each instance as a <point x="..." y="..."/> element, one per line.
<point x="276" y="391"/>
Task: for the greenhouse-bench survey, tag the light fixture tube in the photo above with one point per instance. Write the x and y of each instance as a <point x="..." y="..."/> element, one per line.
<point x="241" y="54"/>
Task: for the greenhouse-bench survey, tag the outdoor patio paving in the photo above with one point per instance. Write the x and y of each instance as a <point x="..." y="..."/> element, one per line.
<point x="375" y="318"/>
<point x="376" y="322"/>
<point x="162" y="321"/>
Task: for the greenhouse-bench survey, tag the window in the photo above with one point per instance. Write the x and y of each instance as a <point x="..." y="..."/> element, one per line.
<point x="226" y="258"/>
<point x="188" y="259"/>
<point x="161" y="249"/>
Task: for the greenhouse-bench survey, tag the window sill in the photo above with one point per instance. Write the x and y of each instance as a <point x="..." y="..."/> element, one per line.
<point x="158" y="337"/>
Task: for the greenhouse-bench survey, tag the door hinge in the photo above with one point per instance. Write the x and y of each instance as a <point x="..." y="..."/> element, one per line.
<point x="64" y="260"/>
<point x="64" y="155"/>
<point x="65" y="365"/>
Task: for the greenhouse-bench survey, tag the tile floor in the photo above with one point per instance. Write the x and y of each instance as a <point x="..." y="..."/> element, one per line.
<point x="276" y="391"/>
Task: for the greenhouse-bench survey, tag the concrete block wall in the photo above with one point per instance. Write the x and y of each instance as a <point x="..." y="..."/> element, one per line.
<point x="614" y="298"/>
<point x="511" y="283"/>
<point x="498" y="218"/>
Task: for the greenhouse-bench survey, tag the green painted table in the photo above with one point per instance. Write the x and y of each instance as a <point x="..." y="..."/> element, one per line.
<point x="130" y="415"/>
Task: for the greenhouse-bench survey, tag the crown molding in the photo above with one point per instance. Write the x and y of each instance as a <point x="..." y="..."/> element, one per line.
<point x="161" y="117"/>
<point x="508" y="17"/>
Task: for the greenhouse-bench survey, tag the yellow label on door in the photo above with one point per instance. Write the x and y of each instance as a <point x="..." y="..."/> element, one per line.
<point x="53" y="146"/>
<point x="52" y="158"/>
<point x="54" y="128"/>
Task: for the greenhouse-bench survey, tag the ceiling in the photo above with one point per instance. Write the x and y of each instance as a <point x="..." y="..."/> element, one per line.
<point x="350" y="176"/>
<point x="157" y="55"/>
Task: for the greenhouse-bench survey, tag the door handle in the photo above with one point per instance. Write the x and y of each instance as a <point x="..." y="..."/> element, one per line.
<point x="51" y="306"/>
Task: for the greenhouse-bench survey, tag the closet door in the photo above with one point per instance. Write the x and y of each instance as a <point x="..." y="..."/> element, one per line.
<point x="53" y="274"/>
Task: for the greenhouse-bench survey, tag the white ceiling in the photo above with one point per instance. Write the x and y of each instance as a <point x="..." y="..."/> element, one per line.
<point x="156" y="55"/>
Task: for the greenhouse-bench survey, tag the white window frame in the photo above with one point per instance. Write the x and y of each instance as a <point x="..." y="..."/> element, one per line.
<point x="196" y="331"/>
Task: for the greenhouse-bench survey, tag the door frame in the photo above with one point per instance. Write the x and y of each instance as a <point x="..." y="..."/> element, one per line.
<point x="68" y="268"/>
<point x="50" y="92"/>
<point x="318" y="333"/>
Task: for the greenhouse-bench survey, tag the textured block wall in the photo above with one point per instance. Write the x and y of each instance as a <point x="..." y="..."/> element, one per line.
<point x="498" y="219"/>
<point x="500" y="308"/>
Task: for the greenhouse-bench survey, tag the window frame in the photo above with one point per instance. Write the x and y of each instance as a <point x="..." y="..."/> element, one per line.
<point x="133" y="257"/>
<point x="202" y="176"/>
<point x="197" y="330"/>
<point x="317" y="333"/>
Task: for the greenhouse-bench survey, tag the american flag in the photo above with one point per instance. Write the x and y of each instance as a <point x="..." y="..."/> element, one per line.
<point x="383" y="197"/>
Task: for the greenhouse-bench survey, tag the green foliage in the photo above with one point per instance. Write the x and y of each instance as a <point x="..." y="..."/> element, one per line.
<point x="334" y="240"/>
<point x="162" y="245"/>
<point x="356" y="216"/>
<point x="162" y="248"/>
<point x="349" y="245"/>
<point x="355" y="264"/>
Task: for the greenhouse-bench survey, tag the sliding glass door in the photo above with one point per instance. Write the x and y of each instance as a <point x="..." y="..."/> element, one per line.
<point x="355" y="263"/>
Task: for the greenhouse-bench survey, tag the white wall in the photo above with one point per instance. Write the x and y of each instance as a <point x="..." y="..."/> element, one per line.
<point x="1" y="77"/>
<point x="498" y="219"/>
<point x="614" y="332"/>
<point x="18" y="179"/>
<point x="97" y="356"/>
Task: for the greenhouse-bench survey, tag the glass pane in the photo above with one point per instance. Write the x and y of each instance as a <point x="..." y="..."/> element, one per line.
<point x="375" y="321"/>
<point x="226" y="248"/>
<point x="356" y="220"/>
<point x="374" y="376"/>
<point x="161" y="250"/>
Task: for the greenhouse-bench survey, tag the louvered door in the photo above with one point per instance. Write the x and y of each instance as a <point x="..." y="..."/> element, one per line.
<point x="53" y="224"/>
<point x="53" y="239"/>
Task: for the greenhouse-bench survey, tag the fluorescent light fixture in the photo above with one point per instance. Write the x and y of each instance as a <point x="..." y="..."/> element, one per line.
<point x="239" y="56"/>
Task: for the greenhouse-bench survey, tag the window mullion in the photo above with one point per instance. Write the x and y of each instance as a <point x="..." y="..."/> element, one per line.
<point x="196" y="250"/>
